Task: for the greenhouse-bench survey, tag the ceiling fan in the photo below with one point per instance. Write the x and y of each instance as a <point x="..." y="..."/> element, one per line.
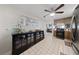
<point x="53" y="12"/>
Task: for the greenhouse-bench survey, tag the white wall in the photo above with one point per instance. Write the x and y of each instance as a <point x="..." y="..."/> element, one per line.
<point x="9" y="17"/>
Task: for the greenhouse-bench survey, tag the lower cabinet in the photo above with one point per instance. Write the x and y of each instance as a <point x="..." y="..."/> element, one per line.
<point x="23" y="41"/>
<point x="60" y="33"/>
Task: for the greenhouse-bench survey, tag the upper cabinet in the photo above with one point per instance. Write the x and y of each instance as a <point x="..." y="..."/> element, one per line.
<point x="63" y="20"/>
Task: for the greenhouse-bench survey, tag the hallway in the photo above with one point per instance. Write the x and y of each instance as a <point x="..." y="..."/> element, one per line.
<point x="49" y="46"/>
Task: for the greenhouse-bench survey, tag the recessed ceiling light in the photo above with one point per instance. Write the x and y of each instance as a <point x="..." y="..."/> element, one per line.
<point x="52" y="14"/>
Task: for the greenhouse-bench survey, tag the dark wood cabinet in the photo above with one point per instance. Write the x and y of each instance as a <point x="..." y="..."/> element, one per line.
<point x="68" y="35"/>
<point x="23" y="41"/>
<point x="39" y="35"/>
<point x="60" y="33"/>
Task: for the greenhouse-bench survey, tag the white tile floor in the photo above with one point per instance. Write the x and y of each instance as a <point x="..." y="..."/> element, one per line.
<point x="49" y="46"/>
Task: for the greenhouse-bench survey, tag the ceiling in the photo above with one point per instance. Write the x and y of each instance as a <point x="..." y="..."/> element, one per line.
<point x="37" y="10"/>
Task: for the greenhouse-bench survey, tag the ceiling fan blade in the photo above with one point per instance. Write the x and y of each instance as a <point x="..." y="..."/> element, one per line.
<point x="45" y="15"/>
<point x="59" y="7"/>
<point x="60" y="12"/>
<point x="47" y="10"/>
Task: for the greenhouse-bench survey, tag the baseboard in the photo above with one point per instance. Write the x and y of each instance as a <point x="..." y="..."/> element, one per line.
<point x="8" y="53"/>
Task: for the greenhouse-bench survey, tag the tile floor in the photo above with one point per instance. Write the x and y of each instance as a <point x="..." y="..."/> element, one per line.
<point x="49" y="46"/>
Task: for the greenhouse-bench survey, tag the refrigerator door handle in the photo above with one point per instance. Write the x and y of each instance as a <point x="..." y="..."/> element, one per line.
<point x="71" y="26"/>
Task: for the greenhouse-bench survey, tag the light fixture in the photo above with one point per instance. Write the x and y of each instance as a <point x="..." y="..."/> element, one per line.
<point x="52" y="14"/>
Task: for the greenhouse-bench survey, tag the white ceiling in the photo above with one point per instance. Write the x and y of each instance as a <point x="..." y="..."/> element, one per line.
<point x="37" y="10"/>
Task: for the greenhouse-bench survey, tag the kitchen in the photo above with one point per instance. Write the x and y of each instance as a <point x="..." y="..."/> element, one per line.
<point x="27" y="28"/>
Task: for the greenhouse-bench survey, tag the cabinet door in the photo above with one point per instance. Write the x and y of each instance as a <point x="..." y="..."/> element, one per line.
<point x="23" y="40"/>
<point x="16" y="45"/>
<point x="41" y="35"/>
<point x="37" y="36"/>
<point x="26" y="37"/>
<point x="29" y="39"/>
<point x="24" y="43"/>
<point x="32" y="39"/>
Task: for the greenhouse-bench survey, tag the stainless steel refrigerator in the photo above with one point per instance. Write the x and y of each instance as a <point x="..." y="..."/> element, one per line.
<point x="75" y="30"/>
